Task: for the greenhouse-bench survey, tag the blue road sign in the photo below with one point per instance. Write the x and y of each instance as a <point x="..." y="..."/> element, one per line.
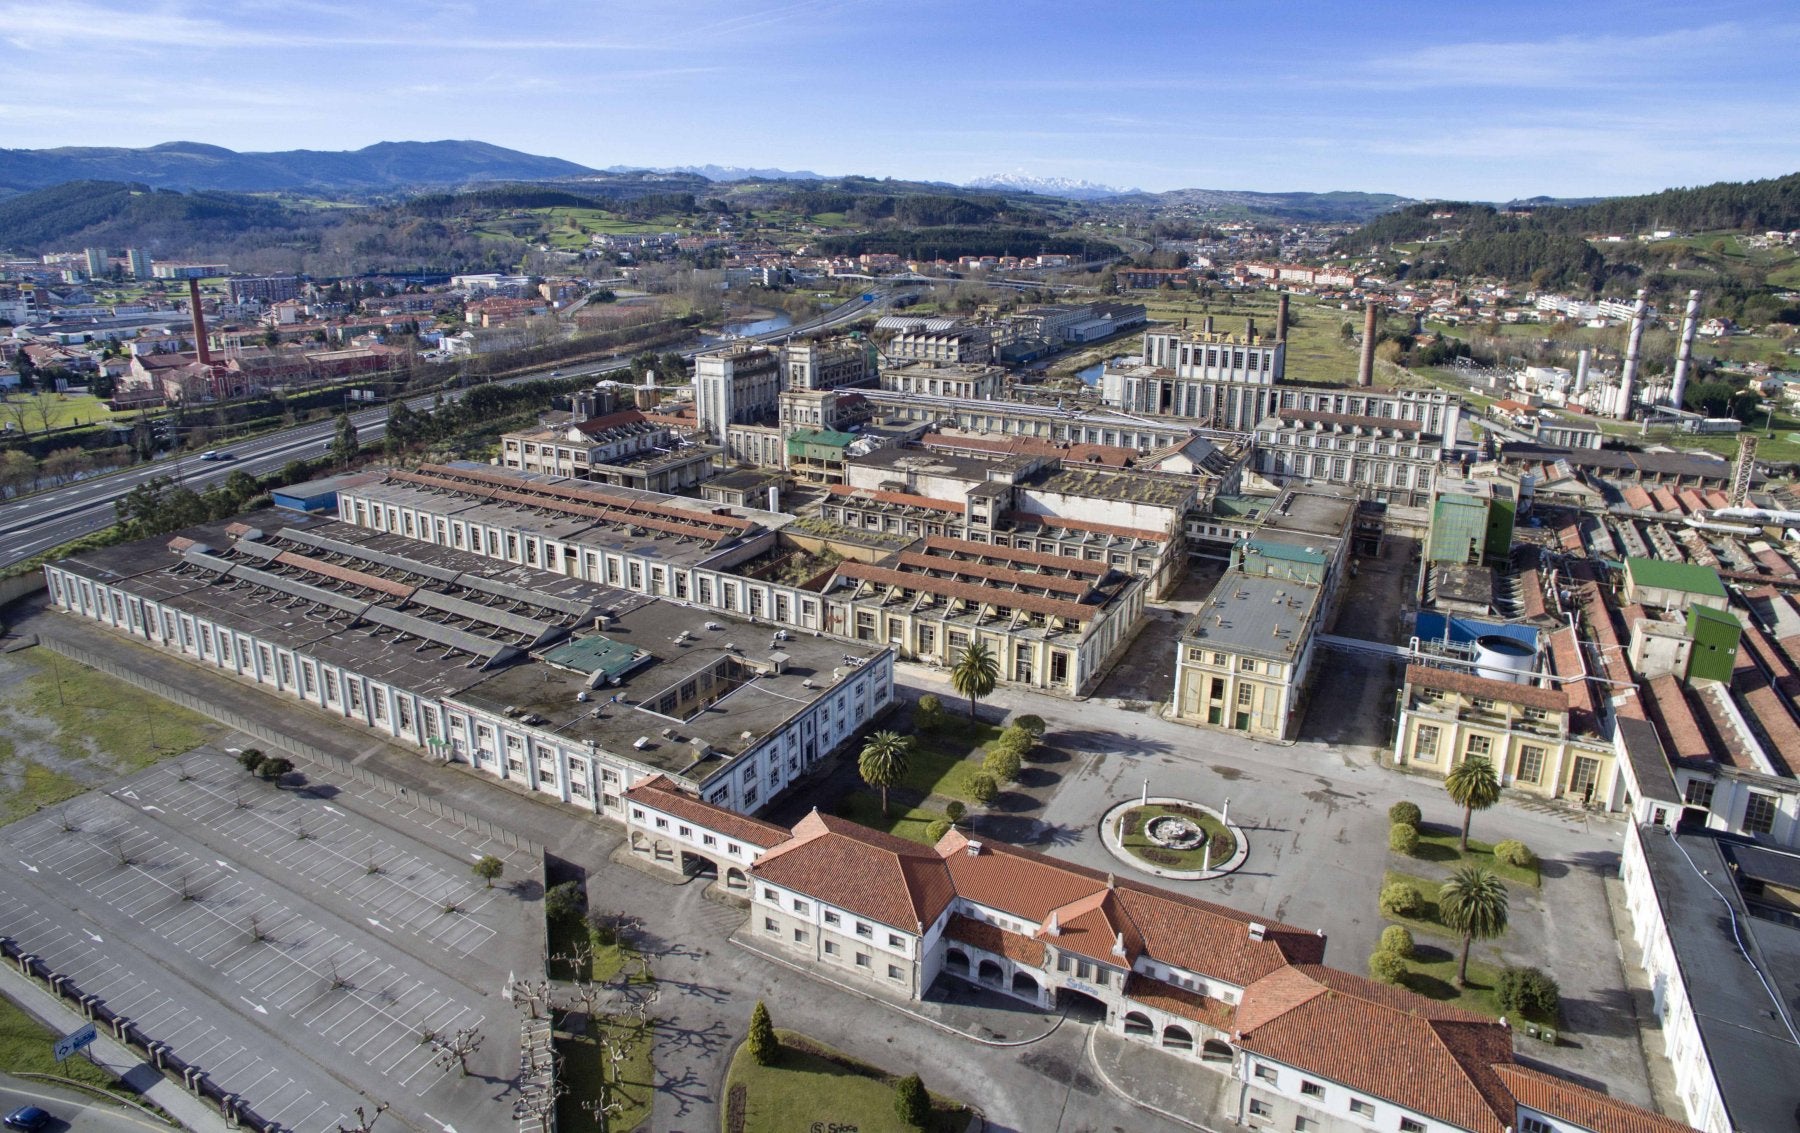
<point x="69" y="1044"/>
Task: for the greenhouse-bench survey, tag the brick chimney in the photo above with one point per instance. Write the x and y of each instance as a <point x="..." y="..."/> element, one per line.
<point x="201" y="349"/>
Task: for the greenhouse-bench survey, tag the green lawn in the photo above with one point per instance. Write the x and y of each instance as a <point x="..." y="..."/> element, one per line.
<point x="1138" y="843"/>
<point x="943" y="761"/>
<point x="25" y="1048"/>
<point x="864" y="807"/>
<point x="69" y="728"/>
<point x="561" y="938"/>
<point x="1316" y="350"/>
<point x="1438" y="844"/>
<point x="585" y="1077"/>
<point x="1432" y="973"/>
<point x="28" y="412"/>
<point x="815" y="1087"/>
<point x="1427" y="921"/>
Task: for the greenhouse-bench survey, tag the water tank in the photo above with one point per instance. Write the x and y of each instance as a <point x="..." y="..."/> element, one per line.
<point x="1500" y="658"/>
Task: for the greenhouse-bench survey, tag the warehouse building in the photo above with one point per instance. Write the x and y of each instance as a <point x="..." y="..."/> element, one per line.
<point x="566" y="687"/>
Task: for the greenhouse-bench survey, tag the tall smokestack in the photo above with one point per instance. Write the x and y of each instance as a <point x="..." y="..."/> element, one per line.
<point x="1581" y="372"/>
<point x="1206" y="325"/>
<point x="1633" y="346"/>
<point x="1281" y="317"/>
<point x="201" y="350"/>
<point x="1249" y="329"/>
<point x="1684" y="356"/>
<point x="1365" y="371"/>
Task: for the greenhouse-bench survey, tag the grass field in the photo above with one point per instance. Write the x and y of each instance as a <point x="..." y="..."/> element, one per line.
<point x="1432" y="973"/>
<point x="25" y="1048"/>
<point x="908" y="822"/>
<point x="1438" y="844"/>
<point x="585" y="1076"/>
<point x="69" y="729"/>
<point x="944" y="761"/>
<point x="563" y="937"/>
<point x="815" y="1087"/>
<point x="1316" y="351"/>
<point x="29" y="412"/>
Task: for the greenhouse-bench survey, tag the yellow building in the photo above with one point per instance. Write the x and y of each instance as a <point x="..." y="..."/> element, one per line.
<point x="1536" y="743"/>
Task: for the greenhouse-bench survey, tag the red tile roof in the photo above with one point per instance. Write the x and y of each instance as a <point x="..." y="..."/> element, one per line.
<point x="1468" y="684"/>
<point x="660" y="793"/>
<point x="904" y="499"/>
<point x="1092" y="908"/>
<point x="1214" y="1013"/>
<point x="1435" y="1060"/>
<point x="899" y="883"/>
<point x="941" y="545"/>
<point x="1021" y="519"/>
<point x="979" y="594"/>
<point x="993" y="939"/>
<point x="1587" y="1108"/>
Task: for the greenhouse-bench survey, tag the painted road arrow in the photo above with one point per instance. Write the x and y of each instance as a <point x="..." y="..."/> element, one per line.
<point x="28" y="865"/>
<point x="93" y="936"/>
<point x="256" y="1007"/>
<point x="378" y="924"/>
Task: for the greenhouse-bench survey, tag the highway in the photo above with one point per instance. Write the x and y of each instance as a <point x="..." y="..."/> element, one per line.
<point x="70" y="1110"/>
<point x="35" y="523"/>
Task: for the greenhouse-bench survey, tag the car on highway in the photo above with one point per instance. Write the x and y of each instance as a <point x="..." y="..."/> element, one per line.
<point x="28" y="1117"/>
<point x="217" y="454"/>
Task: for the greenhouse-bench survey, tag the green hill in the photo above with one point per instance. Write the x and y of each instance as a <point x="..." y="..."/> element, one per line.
<point x="117" y="214"/>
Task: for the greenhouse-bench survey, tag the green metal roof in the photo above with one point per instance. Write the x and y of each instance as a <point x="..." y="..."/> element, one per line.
<point x="822" y="437"/>
<point x="596" y="654"/>
<point x="1288" y="551"/>
<point x="1239" y="506"/>
<point x="1708" y="614"/>
<point x="1686" y="577"/>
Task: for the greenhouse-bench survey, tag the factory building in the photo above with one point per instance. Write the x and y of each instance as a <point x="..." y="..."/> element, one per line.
<point x="568" y="688"/>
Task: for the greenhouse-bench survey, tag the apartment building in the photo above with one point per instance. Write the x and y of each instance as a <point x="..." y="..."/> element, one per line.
<point x="1220" y="380"/>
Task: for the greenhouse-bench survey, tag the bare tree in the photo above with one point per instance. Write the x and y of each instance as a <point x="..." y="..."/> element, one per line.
<point x="339" y="981"/>
<point x="540" y="1103"/>
<point x="258" y="932"/>
<point x="531" y="995"/>
<point x="365" y="1123"/>
<point x="120" y="853"/>
<point x="455" y="1049"/>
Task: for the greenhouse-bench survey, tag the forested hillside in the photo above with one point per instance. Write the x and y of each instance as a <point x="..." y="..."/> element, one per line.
<point x="111" y="213"/>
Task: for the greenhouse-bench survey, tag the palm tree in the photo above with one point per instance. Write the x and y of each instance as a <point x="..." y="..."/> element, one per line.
<point x="976" y="673"/>
<point x="1473" y="903"/>
<point x="1474" y="786"/>
<point x="883" y="762"/>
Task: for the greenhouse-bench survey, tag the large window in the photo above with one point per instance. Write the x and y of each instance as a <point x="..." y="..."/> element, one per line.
<point x="1759" y="813"/>
<point x="1479" y="745"/>
<point x="1425" y="743"/>
<point x="1531" y="764"/>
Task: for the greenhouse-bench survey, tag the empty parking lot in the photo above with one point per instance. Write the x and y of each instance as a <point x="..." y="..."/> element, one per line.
<point x="299" y="946"/>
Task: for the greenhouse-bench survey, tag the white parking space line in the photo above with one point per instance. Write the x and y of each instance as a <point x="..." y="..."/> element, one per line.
<point x="292" y="966"/>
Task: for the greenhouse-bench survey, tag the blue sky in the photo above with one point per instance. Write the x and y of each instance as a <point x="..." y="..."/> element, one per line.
<point x="1445" y="99"/>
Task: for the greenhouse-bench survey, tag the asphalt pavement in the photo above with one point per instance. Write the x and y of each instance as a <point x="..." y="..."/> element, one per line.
<point x="71" y="1110"/>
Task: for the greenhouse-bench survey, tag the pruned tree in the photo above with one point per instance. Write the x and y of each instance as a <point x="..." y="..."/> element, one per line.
<point x="365" y="1122"/>
<point x="454" y="1049"/>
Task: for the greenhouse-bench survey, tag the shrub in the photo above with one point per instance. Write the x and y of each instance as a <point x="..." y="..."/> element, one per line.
<point x="274" y="767"/>
<point x="1387" y="967"/>
<point x="1223" y="846"/>
<point x="251" y="759"/>
<point x="954" y="810"/>
<point x="911" y="1102"/>
<point x="1401" y="899"/>
<point x="936" y="830"/>
<point x="1031" y="724"/>
<point x="1396" y="939"/>
<point x="983" y="788"/>
<point x="1515" y="853"/>
<point x="764" y="1046"/>
<point x="1016" y="739"/>
<point x="1528" y="991"/>
<point x="603" y="929"/>
<point x="1403" y="839"/>
<point x="1004" y="764"/>
<point x="928" y="714"/>
<point x="1405" y="813"/>
<point x="566" y="900"/>
<point x="1134" y="823"/>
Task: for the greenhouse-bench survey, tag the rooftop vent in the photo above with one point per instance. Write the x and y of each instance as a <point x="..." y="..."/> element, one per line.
<point x="641" y="743"/>
<point x="973" y="849"/>
<point x="1258" y="930"/>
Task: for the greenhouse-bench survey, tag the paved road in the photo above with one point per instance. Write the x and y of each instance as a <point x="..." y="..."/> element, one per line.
<point x="35" y="523"/>
<point x="71" y="1110"/>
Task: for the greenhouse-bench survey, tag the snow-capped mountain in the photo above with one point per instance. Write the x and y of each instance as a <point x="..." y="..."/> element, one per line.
<point x="724" y="172"/>
<point x="1065" y="187"/>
